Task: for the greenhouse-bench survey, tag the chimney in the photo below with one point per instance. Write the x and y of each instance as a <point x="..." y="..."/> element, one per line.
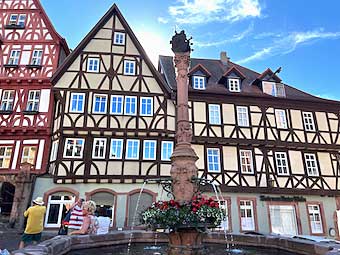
<point x="224" y="58"/>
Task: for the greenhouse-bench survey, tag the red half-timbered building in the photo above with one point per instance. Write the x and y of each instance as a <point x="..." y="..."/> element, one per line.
<point x="30" y="52"/>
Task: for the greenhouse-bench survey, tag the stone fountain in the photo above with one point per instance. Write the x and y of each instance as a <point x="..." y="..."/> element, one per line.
<point x="185" y="240"/>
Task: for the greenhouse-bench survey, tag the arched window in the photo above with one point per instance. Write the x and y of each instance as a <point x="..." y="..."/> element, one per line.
<point x="57" y="205"/>
<point x="145" y="201"/>
<point x="105" y="202"/>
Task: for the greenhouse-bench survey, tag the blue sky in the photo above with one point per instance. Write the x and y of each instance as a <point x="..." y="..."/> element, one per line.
<point x="301" y="36"/>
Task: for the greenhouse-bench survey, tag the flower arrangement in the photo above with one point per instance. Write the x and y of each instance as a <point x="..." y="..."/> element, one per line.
<point x="200" y="213"/>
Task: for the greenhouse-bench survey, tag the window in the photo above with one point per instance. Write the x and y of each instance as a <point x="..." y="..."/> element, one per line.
<point x="311" y="164"/>
<point x="130" y="105"/>
<point x="99" y="105"/>
<point x="119" y="38"/>
<point x="246" y="162"/>
<point x="56" y="208"/>
<point x="93" y="65"/>
<point x="281" y="163"/>
<point x="36" y="57"/>
<point x="269" y="88"/>
<point x="129" y="67"/>
<point x="247" y="215"/>
<point x="7" y="100"/>
<point x="225" y="222"/>
<point x="281" y="121"/>
<point x="116" y="148"/>
<point x="17" y="20"/>
<point x="74" y="148"/>
<point x="5" y="156"/>
<point x="28" y="154"/>
<point x="242" y="116"/>
<point x="105" y="206"/>
<point x="315" y="219"/>
<point x="132" y="149"/>
<point x="198" y="82"/>
<point x="146" y="106"/>
<point x="213" y="160"/>
<point x="283" y="219"/>
<point x="234" y="85"/>
<point x="149" y="151"/>
<point x="167" y="149"/>
<point x="308" y="121"/>
<point x="77" y="102"/>
<point x="14" y="57"/>
<point x="117" y="104"/>
<point x="214" y="114"/>
<point x="33" y="100"/>
<point x="99" y="148"/>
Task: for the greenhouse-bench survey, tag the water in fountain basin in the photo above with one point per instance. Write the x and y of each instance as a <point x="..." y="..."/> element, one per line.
<point x="134" y="218"/>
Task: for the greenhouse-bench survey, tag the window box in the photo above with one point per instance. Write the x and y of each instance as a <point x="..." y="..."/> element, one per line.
<point x="34" y="66"/>
<point x="14" y="26"/>
<point x="6" y="112"/>
<point x="30" y="112"/>
<point x="10" y="66"/>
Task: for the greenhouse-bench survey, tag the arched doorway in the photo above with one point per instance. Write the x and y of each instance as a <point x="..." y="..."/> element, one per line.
<point x="6" y="197"/>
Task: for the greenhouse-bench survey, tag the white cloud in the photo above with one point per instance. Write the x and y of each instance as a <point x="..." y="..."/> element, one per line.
<point x="154" y="44"/>
<point x="232" y="39"/>
<point x="205" y="11"/>
<point x="288" y="43"/>
<point x="162" y="20"/>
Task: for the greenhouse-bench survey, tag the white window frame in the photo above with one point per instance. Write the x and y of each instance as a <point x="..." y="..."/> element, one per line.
<point x="225" y="223"/>
<point x="6" y="156"/>
<point x="215" y="160"/>
<point x="19" y="18"/>
<point x="61" y="202"/>
<point x="247" y="206"/>
<point x="149" y="103"/>
<point x="77" y="102"/>
<point x="119" y="148"/>
<point x="281" y="119"/>
<point x="271" y="85"/>
<point x="14" y="57"/>
<point x="167" y="150"/>
<point x="33" y="101"/>
<point x="308" y="121"/>
<point x="244" y="155"/>
<point x="100" y="145"/>
<point x="134" y="141"/>
<point x="242" y="116"/>
<point x="94" y="67"/>
<point x="198" y="82"/>
<point x="214" y="114"/>
<point x="278" y="225"/>
<point x="234" y="85"/>
<point x="74" y="147"/>
<point x="127" y="70"/>
<point x="7" y="100"/>
<point x="119" y="38"/>
<point x="26" y="157"/>
<point x="281" y="160"/>
<point x="37" y="57"/>
<point x="311" y="164"/>
<point x="115" y="111"/>
<point x="101" y="96"/>
<point x="147" y="147"/>
<point x="314" y="211"/>
<point x="127" y="98"/>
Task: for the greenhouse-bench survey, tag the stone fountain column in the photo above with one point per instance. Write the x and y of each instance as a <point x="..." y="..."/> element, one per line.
<point x="186" y="240"/>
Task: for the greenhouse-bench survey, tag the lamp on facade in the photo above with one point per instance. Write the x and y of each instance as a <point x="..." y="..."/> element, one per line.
<point x="271" y="182"/>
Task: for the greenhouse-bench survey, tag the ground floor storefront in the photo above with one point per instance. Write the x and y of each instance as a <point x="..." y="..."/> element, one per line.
<point x="247" y="212"/>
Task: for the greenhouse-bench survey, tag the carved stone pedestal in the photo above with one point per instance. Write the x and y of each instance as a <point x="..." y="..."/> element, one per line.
<point x="186" y="242"/>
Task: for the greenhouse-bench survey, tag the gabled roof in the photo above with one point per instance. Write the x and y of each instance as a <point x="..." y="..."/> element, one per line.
<point x="218" y="69"/>
<point x="201" y="68"/>
<point x="268" y="75"/>
<point x="235" y="70"/>
<point x="77" y="51"/>
<point x="51" y="28"/>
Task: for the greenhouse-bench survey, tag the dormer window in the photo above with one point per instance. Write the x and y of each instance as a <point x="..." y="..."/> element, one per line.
<point x="234" y="84"/>
<point x="274" y="89"/>
<point x="198" y="82"/>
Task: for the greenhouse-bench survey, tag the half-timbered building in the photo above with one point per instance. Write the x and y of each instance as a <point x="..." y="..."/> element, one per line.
<point x="30" y="52"/>
<point x="273" y="150"/>
<point x="114" y="124"/>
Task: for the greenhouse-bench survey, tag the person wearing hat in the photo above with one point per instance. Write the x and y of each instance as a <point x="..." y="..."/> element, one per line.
<point x="35" y="219"/>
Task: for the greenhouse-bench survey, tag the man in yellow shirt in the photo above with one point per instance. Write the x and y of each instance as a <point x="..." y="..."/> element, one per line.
<point x="35" y="219"/>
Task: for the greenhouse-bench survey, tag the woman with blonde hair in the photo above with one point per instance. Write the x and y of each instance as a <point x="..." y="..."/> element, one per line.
<point x="89" y="222"/>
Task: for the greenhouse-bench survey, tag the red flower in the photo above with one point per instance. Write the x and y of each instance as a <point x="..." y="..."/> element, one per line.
<point x="194" y="209"/>
<point x="172" y="202"/>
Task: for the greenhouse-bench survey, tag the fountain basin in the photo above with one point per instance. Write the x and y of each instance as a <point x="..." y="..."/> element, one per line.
<point x="60" y="245"/>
